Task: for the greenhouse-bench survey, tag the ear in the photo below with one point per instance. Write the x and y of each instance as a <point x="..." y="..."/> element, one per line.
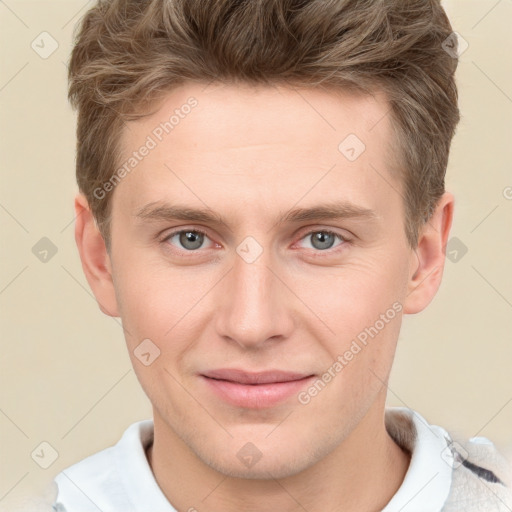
<point x="427" y="260"/>
<point x="96" y="261"/>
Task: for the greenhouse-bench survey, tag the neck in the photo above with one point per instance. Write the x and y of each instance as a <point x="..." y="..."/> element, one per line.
<point x="358" y="475"/>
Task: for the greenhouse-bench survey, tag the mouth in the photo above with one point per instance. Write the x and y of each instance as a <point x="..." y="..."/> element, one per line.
<point x="255" y="390"/>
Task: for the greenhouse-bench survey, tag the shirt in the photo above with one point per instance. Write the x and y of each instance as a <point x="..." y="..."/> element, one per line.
<point x="119" y="478"/>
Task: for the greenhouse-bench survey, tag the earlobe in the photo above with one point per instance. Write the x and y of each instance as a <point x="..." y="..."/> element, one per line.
<point x="95" y="258"/>
<point x="427" y="260"/>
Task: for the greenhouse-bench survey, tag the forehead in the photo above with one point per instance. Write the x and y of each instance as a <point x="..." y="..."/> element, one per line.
<point x="226" y="116"/>
<point x="267" y="143"/>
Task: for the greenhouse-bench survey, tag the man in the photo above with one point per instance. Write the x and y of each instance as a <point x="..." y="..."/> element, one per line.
<point x="261" y="201"/>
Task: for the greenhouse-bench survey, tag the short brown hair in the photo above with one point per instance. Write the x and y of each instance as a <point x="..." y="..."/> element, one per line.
<point x="127" y="53"/>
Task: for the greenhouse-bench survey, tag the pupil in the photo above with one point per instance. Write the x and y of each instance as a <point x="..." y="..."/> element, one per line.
<point x="322" y="240"/>
<point x="191" y="240"/>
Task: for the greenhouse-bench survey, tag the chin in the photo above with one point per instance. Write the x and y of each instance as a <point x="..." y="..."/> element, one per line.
<point x="261" y="462"/>
<point x="268" y="470"/>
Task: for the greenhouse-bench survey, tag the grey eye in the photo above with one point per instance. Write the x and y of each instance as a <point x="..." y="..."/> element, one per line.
<point x="189" y="240"/>
<point x="322" y="240"/>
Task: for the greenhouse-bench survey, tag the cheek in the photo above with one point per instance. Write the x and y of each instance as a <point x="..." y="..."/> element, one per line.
<point x="160" y="308"/>
<point x="353" y="296"/>
<point x="157" y="301"/>
<point x="360" y="359"/>
<point x="362" y="308"/>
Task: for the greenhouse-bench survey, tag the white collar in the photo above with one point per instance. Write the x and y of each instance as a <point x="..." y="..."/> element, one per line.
<point x="115" y="479"/>
<point x="132" y="454"/>
<point x="428" y="480"/>
<point x="120" y="477"/>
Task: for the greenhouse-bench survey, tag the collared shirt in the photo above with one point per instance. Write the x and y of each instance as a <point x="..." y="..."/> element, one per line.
<point x="120" y="479"/>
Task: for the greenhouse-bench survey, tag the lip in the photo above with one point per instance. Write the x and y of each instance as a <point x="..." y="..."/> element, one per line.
<point x="255" y="390"/>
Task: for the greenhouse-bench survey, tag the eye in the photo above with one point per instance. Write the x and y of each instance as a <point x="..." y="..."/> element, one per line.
<point x="193" y="239"/>
<point x="188" y="239"/>
<point x="323" y="240"/>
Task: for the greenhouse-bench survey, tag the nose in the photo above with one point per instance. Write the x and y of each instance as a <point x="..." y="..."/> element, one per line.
<point x="255" y="304"/>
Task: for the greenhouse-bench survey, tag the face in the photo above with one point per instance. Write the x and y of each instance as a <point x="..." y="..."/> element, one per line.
<point x="255" y="244"/>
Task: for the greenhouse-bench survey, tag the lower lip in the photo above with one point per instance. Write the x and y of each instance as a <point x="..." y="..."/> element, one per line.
<point x="255" y="396"/>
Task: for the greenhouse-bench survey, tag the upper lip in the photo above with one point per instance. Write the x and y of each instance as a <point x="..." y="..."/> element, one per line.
<point x="244" y="377"/>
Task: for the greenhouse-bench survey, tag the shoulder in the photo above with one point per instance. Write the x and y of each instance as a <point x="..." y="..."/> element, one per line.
<point x="36" y="500"/>
<point x="99" y="480"/>
<point x="482" y="477"/>
<point x="86" y="484"/>
<point x="476" y="476"/>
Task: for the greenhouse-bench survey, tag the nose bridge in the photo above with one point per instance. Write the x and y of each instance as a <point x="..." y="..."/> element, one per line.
<point x="254" y="305"/>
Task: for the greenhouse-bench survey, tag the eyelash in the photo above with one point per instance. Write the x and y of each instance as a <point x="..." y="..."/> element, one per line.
<point x="318" y="252"/>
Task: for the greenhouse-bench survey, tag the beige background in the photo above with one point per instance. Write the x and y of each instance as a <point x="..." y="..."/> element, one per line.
<point x="65" y="375"/>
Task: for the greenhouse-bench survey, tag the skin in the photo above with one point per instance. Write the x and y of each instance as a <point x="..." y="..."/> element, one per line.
<point x="252" y="154"/>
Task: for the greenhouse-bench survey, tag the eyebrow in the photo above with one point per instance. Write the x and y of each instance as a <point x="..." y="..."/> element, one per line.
<point x="158" y="211"/>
